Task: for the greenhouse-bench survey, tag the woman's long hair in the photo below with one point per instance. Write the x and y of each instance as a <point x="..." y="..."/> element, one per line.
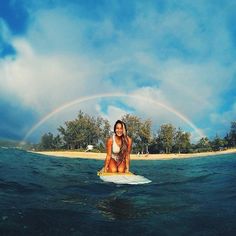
<point x="124" y="141"/>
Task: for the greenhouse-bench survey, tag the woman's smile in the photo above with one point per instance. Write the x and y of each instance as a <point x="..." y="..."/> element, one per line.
<point x="119" y="130"/>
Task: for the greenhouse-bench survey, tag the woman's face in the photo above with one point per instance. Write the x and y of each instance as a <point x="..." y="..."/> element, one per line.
<point x="119" y="130"/>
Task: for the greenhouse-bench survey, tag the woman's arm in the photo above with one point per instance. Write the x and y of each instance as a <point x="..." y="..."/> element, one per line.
<point x="127" y="159"/>
<point x="108" y="156"/>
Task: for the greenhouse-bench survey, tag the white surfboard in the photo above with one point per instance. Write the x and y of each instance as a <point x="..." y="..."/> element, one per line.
<point x="123" y="178"/>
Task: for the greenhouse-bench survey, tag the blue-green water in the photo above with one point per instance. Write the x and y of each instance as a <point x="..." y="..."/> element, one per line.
<point x="42" y="195"/>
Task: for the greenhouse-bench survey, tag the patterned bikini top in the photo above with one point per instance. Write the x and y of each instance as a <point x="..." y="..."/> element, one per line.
<point x="115" y="146"/>
<point x="115" y="149"/>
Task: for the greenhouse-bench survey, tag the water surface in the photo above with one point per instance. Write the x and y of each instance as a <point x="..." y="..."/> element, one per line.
<point x="43" y="195"/>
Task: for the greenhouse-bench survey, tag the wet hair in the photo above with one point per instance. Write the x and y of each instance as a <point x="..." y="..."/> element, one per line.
<point x="124" y="140"/>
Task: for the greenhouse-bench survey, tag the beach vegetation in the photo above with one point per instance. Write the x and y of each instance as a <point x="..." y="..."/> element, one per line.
<point x="83" y="131"/>
<point x="166" y="135"/>
<point x="203" y="145"/>
<point x="87" y="130"/>
<point x="50" y="142"/>
<point x="231" y="136"/>
<point x="5" y="143"/>
<point x="182" y="142"/>
<point x="169" y="139"/>
<point x="140" y="132"/>
<point x="218" y="143"/>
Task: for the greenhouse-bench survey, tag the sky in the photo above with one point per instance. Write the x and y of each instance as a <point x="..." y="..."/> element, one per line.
<point x="172" y="62"/>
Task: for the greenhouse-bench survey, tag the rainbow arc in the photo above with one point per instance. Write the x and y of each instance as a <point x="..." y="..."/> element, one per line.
<point x="105" y="95"/>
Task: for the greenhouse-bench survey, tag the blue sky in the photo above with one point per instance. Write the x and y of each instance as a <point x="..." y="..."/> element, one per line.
<point x="179" y="53"/>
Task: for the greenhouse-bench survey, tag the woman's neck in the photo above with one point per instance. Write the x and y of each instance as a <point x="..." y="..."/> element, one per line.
<point x="118" y="137"/>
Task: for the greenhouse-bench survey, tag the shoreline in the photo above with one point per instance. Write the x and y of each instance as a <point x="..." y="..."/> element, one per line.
<point x="102" y="156"/>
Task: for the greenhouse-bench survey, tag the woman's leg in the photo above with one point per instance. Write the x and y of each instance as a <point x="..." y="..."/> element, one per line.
<point x="121" y="167"/>
<point x="112" y="167"/>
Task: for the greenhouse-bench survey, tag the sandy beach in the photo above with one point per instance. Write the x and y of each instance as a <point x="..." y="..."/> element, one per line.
<point x="101" y="156"/>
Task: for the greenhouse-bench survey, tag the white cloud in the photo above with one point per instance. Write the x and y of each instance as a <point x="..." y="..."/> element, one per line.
<point x="222" y="121"/>
<point x="178" y="54"/>
<point x="47" y="81"/>
<point x="197" y="87"/>
<point x="113" y="114"/>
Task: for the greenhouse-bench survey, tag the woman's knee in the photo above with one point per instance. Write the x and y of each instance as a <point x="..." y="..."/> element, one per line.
<point x="112" y="169"/>
<point x="121" y="170"/>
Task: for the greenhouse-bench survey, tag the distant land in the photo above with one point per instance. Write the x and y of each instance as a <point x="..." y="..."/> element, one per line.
<point x="9" y="143"/>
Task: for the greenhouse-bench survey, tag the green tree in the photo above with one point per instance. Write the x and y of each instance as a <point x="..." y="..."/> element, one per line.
<point x="69" y="134"/>
<point x="203" y="145"/>
<point x="47" y="142"/>
<point x="186" y="144"/>
<point x="181" y="141"/>
<point x="227" y="140"/>
<point x="84" y="130"/>
<point x="139" y="131"/>
<point x="106" y="131"/>
<point x="145" y="135"/>
<point x="178" y="140"/>
<point x="217" y="143"/>
<point x="156" y="145"/>
<point x="133" y="124"/>
<point x="103" y="129"/>
<point x="66" y="138"/>
<point x="57" y="142"/>
<point x="166" y="136"/>
<point x="232" y="134"/>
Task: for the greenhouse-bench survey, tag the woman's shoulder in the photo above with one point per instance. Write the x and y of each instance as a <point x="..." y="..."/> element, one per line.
<point x="110" y="139"/>
<point x="129" y="139"/>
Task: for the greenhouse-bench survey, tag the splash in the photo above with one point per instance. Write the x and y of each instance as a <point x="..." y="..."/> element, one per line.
<point x="105" y="95"/>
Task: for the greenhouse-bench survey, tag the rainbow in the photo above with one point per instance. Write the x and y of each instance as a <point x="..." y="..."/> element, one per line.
<point x="105" y="95"/>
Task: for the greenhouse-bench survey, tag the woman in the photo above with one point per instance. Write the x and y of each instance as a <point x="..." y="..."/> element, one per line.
<point x="118" y="150"/>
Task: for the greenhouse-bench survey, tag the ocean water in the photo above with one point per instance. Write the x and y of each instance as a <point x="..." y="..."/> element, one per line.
<point x="43" y="195"/>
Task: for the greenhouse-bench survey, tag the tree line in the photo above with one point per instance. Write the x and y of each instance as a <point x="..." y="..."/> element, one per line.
<point x="87" y="130"/>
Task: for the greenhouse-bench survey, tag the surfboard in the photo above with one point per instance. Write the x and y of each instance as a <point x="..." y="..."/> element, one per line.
<point x="123" y="178"/>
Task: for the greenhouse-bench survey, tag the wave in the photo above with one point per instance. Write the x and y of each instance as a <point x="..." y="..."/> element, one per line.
<point x="15" y="187"/>
<point x="196" y="179"/>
